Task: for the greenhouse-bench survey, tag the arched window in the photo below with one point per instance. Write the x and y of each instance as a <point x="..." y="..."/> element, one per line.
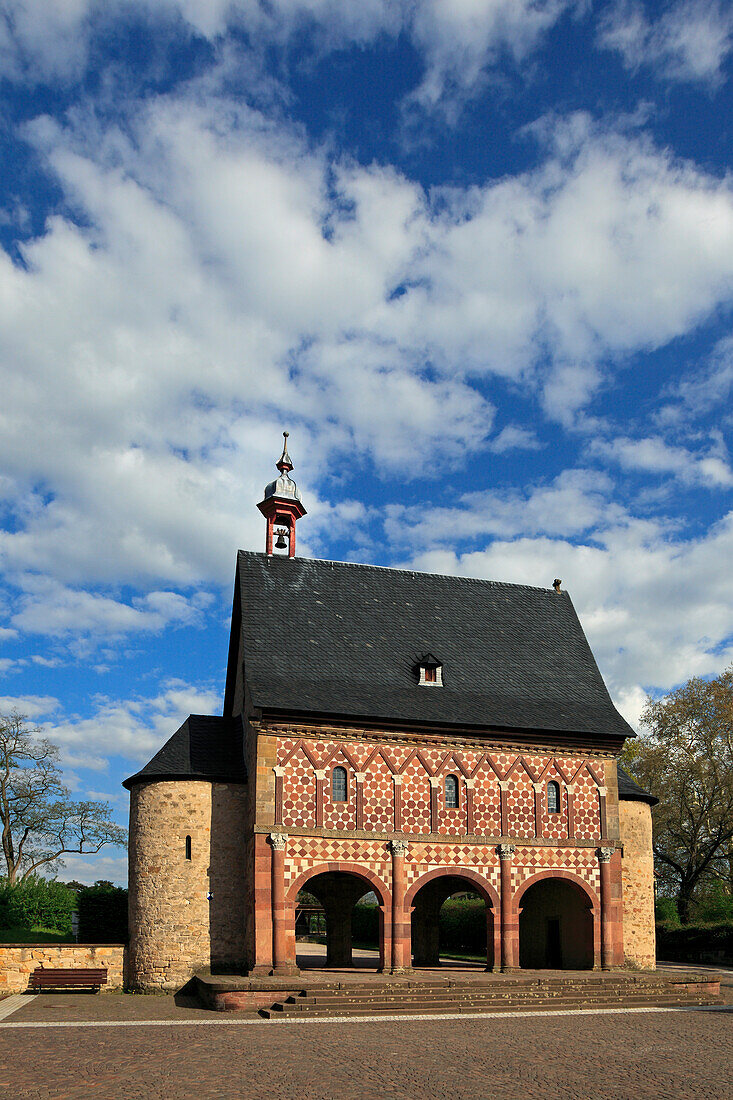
<point x="188" y="847"/>
<point x="338" y="785"/>
<point x="451" y="792"/>
<point x="553" y="797"/>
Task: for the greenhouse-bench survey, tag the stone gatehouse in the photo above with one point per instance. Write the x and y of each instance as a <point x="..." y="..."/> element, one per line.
<point x="395" y="733"/>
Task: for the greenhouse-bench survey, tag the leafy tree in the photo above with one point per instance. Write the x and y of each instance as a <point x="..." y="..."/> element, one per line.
<point x="685" y="757"/>
<point x="39" y="821"/>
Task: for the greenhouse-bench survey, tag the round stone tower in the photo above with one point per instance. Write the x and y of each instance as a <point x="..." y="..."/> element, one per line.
<point x="187" y="889"/>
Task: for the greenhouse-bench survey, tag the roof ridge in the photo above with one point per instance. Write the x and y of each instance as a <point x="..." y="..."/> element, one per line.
<point x="412" y="572"/>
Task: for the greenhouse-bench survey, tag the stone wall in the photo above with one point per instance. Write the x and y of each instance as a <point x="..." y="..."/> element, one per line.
<point x="18" y="961"/>
<point x="637" y="876"/>
<point x="185" y="914"/>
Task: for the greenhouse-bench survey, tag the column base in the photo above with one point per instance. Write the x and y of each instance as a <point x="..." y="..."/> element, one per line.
<point x="285" y="970"/>
<point x="510" y="969"/>
<point x="401" y="970"/>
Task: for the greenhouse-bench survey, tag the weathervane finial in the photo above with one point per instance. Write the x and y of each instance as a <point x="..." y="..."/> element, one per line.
<point x="285" y="462"/>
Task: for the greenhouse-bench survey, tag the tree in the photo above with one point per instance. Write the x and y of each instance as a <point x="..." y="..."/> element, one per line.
<point x="685" y="756"/>
<point x="39" y="821"/>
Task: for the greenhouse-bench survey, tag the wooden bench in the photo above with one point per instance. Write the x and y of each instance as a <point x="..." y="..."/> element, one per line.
<point x="68" y="978"/>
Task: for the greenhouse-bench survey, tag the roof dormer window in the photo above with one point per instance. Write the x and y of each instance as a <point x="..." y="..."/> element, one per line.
<point x="430" y="671"/>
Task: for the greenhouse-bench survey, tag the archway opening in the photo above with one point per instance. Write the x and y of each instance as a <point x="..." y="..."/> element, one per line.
<point x="326" y="940"/>
<point x="452" y="924"/>
<point x="555" y="927"/>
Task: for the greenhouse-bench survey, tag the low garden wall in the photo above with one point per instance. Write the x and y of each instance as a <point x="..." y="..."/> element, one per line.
<point x="19" y="960"/>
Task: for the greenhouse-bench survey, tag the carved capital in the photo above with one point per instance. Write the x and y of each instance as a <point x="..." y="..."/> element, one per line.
<point x="279" y="841"/>
<point x="602" y="792"/>
<point x="538" y="787"/>
<point x="359" y="776"/>
<point x="469" y="783"/>
<point x="506" y="851"/>
<point x="504" y="784"/>
<point x="320" y="773"/>
<point x="279" y="770"/>
<point x="570" y="788"/>
<point x="434" y="780"/>
<point x="397" y="780"/>
<point x="604" y="854"/>
<point x="398" y="847"/>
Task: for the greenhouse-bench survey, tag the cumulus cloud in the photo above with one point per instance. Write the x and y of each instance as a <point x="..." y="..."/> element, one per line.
<point x="212" y="278"/>
<point x="689" y="40"/>
<point x="653" y="455"/>
<point x="52" y="609"/>
<point x="654" y="605"/>
<point x="131" y="728"/>
<point x="458" y="42"/>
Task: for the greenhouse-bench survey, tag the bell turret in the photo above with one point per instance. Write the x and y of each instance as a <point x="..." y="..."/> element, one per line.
<point x="282" y="506"/>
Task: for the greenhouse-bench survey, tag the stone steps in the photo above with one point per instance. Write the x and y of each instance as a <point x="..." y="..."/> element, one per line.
<point x="502" y="997"/>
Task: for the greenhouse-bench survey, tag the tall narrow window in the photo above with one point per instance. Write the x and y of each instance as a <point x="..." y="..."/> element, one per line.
<point x="338" y="785"/>
<point x="553" y="797"/>
<point x="188" y="847"/>
<point x="431" y="675"/>
<point x="451" y="792"/>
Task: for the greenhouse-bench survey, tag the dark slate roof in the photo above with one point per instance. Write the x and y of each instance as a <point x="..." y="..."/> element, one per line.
<point x="205" y="747"/>
<point x="342" y="640"/>
<point x="630" y="791"/>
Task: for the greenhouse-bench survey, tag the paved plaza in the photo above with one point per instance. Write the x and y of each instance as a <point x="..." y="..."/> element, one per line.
<point x="110" y="1046"/>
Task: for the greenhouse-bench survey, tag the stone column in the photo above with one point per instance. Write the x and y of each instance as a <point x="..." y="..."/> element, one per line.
<point x="508" y="954"/>
<point x="434" y="794"/>
<point x="320" y="781"/>
<point x="397" y="780"/>
<point x="280" y="962"/>
<point x="604" y="856"/>
<point x="359" y="777"/>
<point x="602" y="810"/>
<point x="570" y="788"/>
<point x="538" y="792"/>
<point x="401" y="959"/>
<point x="279" y="773"/>
<point x="469" y="806"/>
<point x="503" y="790"/>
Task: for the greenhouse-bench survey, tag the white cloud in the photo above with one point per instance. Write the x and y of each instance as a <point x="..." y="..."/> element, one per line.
<point x="227" y="280"/>
<point x="656" y="606"/>
<point x="514" y="438"/>
<point x="49" y="608"/>
<point x="457" y="41"/>
<point x="133" y="728"/>
<point x="104" y="866"/>
<point x="689" y="41"/>
<point x="7" y="632"/>
<point x="702" y="390"/>
<point x="34" y="707"/>
<point x="653" y="455"/>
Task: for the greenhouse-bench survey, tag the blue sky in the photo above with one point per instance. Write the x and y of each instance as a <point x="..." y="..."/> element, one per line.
<point x="476" y="255"/>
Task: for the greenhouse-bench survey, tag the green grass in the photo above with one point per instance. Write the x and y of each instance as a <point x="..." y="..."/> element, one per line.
<point x="34" y="935"/>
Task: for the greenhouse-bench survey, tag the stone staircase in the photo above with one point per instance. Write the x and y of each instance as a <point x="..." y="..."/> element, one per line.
<point x="423" y="998"/>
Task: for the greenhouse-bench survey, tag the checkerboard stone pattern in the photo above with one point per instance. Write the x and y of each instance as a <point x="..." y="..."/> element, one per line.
<point x="300" y="758"/>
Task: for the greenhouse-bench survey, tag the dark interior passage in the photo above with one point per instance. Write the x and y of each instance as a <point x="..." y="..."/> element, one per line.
<point x="475" y="932"/>
<point x="337" y="892"/>
<point x="555" y="927"/>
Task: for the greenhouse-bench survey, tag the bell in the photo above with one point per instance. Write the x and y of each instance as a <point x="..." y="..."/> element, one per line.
<point x="281" y="543"/>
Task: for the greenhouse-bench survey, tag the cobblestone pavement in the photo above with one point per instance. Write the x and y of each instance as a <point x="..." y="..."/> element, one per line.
<point x="617" y="1057"/>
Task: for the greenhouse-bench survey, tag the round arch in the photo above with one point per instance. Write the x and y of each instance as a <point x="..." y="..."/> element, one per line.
<point x="483" y="886"/>
<point x="557" y="916"/>
<point x="423" y="923"/>
<point x="576" y="880"/>
<point x="373" y="881"/>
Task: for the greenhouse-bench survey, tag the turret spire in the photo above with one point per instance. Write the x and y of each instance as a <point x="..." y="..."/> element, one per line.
<point x="282" y="505"/>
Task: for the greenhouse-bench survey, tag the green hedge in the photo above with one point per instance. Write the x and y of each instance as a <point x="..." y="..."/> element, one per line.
<point x="102" y="913"/>
<point x="695" y="942"/>
<point x="36" y="901"/>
